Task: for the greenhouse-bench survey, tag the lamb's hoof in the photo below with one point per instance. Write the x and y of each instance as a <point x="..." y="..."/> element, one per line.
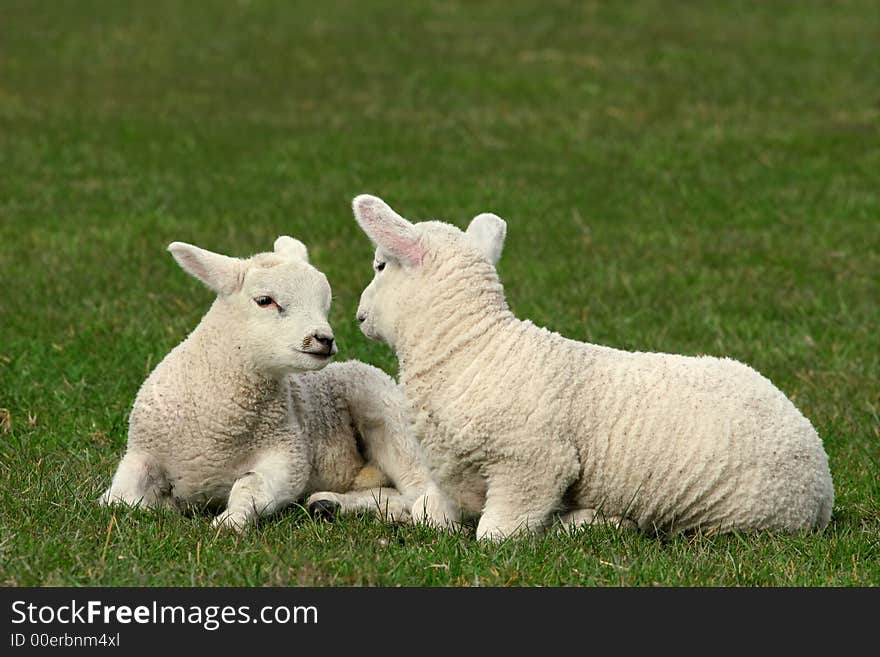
<point x="234" y="522"/>
<point x="324" y="509"/>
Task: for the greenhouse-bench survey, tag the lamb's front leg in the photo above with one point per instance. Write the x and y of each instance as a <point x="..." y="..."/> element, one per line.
<point x="502" y="518"/>
<point x="277" y="479"/>
<point x="578" y="518"/>
<point x="436" y="509"/>
<point x="139" y="481"/>
<point x="521" y="497"/>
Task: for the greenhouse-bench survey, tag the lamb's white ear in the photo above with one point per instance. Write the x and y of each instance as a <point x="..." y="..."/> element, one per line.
<point x="291" y="248"/>
<point x="487" y="232"/>
<point x="219" y="272"/>
<point x="388" y="230"/>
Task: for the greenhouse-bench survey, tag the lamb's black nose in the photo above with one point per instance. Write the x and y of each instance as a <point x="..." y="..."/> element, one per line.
<point x="325" y="341"/>
<point x="361" y="317"/>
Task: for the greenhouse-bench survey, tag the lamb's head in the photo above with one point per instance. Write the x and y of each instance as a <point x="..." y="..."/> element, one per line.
<point x="417" y="264"/>
<point x="273" y="305"/>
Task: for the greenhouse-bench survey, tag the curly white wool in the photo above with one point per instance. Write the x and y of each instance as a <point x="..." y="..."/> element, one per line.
<point x="521" y="425"/>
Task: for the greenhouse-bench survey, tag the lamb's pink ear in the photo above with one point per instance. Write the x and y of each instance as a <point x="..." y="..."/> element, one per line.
<point x="291" y="248"/>
<point x="388" y="230"/>
<point x="487" y="232"/>
<point x="219" y="272"/>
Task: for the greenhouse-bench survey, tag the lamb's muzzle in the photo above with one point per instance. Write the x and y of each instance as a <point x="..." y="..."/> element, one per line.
<point x="327" y="345"/>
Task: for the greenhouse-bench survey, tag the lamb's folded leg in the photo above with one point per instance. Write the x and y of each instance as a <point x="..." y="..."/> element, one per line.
<point x="387" y="503"/>
<point x="395" y="453"/>
<point x="501" y="521"/>
<point x="587" y="517"/>
<point x="378" y="409"/>
<point x="276" y="480"/>
<point x="435" y="509"/>
<point x="518" y="501"/>
<point x="139" y="481"/>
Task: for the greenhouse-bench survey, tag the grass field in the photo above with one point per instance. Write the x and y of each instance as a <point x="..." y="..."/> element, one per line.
<point x="687" y="177"/>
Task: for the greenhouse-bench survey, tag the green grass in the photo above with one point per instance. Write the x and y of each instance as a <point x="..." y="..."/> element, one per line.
<point x="686" y="177"/>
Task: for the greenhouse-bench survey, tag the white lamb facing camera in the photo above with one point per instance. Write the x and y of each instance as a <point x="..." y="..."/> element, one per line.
<point x="246" y="412"/>
<point x="520" y="425"/>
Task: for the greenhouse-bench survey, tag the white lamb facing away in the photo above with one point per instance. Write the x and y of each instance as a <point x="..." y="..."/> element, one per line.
<point x="521" y="425"/>
<point x="234" y="414"/>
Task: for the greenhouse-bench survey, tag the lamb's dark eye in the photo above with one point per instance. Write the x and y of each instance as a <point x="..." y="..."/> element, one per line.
<point x="264" y="301"/>
<point x="380" y="266"/>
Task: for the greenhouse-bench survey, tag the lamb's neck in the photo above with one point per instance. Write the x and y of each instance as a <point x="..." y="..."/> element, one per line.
<point x="219" y="355"/>
<point x="462" y="322"/>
